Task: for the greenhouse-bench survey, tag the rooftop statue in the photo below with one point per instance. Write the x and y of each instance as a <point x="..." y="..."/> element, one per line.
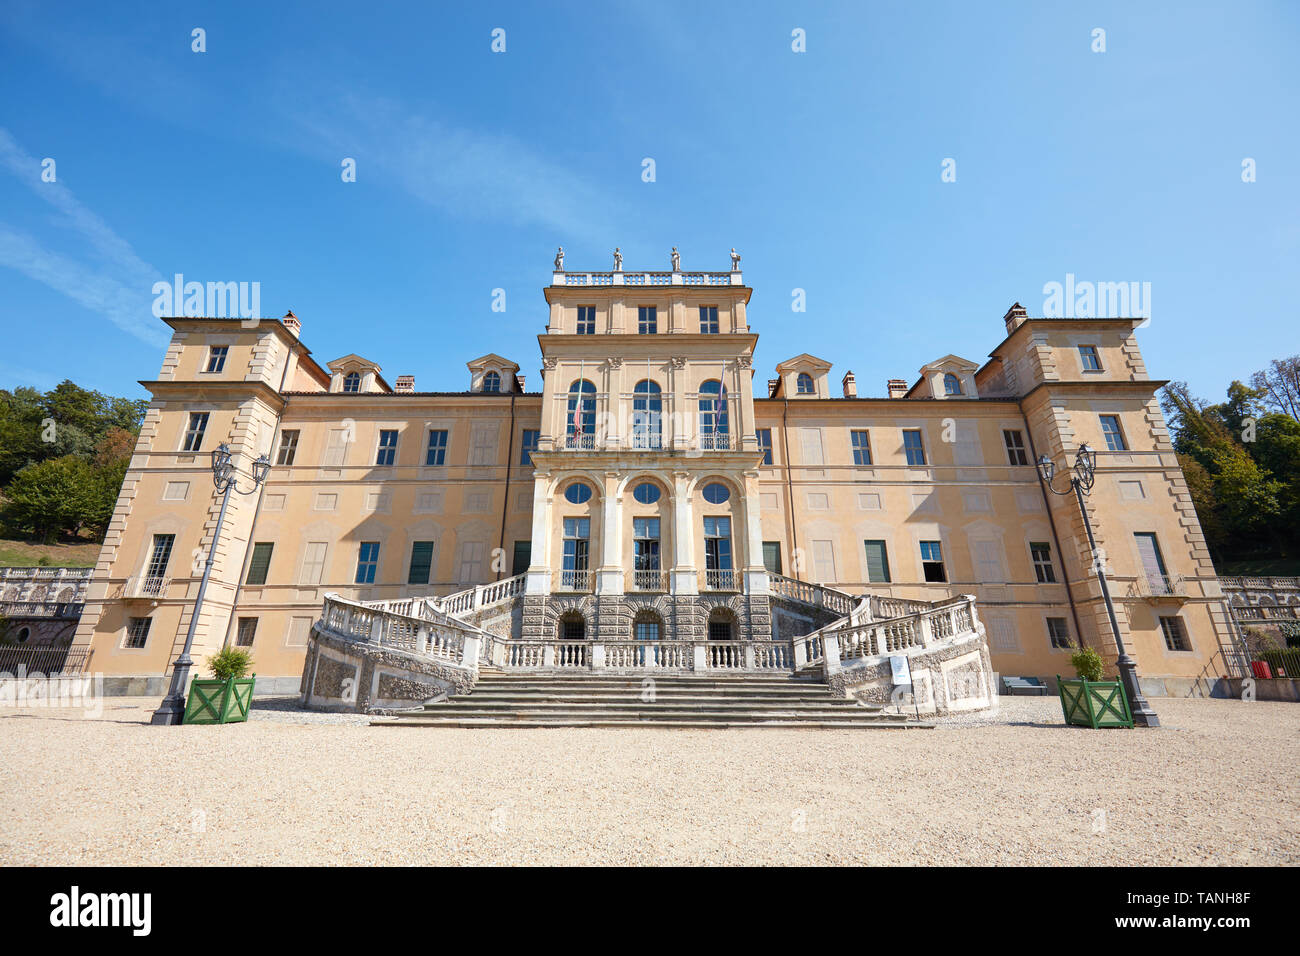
<point x="735" y="260"/>
<point x="677" y="260"/>
<point x="618" y="260"/>
<point x="559" y="260"/>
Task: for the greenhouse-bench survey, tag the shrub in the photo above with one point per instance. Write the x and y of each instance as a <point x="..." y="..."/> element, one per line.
<point x="1087" y="663"/>
<point x="231" y="662"/>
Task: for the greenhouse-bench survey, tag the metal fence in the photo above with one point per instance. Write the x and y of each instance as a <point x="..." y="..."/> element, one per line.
<point x="42" y="660"/>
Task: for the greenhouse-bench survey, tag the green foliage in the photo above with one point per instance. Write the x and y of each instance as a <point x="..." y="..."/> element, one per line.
<point x="231" y="662"/>
<point x="1241" y="459"/>
<point x="63" y="455"/>
<point x="1087" y="663"/>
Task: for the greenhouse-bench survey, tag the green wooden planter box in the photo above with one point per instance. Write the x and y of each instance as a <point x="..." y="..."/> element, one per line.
<point x="219" y="701"/>
<point x="1094" y="703"/>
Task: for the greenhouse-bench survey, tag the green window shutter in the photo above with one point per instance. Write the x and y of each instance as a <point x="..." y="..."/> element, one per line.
<point x="260" y="562"/>
<point x="421" y="562"/>
<point x="523" y="557"/>
<point x="877" y="562"/>
<point x="772" y="556"/>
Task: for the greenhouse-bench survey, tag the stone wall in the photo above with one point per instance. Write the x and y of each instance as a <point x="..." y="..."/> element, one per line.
<point x="343" y="675"/>
<point x="610" y="617"/>
<point x="949" y="678"/>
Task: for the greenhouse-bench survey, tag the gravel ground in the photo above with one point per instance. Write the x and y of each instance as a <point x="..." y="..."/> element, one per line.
<point x="1215" y="785"/>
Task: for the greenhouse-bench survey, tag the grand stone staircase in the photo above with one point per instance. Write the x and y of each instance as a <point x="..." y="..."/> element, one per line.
<point x="501" y="699"/>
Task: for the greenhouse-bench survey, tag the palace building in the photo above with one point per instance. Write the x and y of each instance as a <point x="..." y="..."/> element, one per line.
<point x="648" y="491"/>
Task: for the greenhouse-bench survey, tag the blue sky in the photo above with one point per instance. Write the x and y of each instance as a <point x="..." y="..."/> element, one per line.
<point x="823" y="168"/>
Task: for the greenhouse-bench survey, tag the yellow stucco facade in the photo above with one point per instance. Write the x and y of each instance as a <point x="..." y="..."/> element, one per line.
<point x="927" y="491"/>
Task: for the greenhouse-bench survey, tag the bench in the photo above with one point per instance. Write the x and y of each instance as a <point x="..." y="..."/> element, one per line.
<point x="1023" y="687"/>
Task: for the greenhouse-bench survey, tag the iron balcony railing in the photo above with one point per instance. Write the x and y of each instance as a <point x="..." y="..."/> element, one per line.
<point x="650" y="580"/>
<point x="575" y="580"/>
<point x="148" y="586"/>
<point x="721" y="580"/>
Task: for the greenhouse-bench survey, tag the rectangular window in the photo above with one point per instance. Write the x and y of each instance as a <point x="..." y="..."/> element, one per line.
<point x="437" y="451"/>
<point x="1041" y="553"/>
<point x="645" y="544"/>
<point x="421" y="562"/>
<point x="709" y="319"/>
<point x="137" y="632"/>
<point x="483" y="444"/>
<point x="913" y="447"/>
<point x="1114" y="437"/>
<point x="932" y="561"/>
<point x="717" y="543"/>
<point x="647" y="320"/>
<point x="387" y="453"/>
<point x="861" y="447"/>
<point x="523" y="557"/>
<point x="765" y="444"/>
<point x="772" y="556"/>
<point x="245" y="632"/>
<point x="1175" y="635"/>
<point x="824" y="561"/>
<point x="159" y="556"/>
<point x="336" y="447"/>
<point x="577" y="546"/>
<point x="1088" y="356"/>
<point x="1015" y="443"/>
<point x="877" y="562"/>
<point x="260" y="562"/>
<point x="528" y="445"/>
<point x="471" y="562"/>
<point x="217" y="358"/>
<point x="367" y="562"/>
<point x="288" y="447"/>
<point x="1153" y="562"/>
<point x="194" y="433"/>
<point x="586" y="320"/>
<point x="313" y="562"/>
<point x="1058" y="633"/>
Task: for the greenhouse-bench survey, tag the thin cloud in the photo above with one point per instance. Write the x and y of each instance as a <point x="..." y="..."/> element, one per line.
<point x="468" y="173"/>
<point x="121" y="292"/>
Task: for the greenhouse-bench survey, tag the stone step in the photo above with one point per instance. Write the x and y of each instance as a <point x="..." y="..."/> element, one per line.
<point x="619" y="697"/>
<point x="696" y="706"/>
<point x="864" y="723"/>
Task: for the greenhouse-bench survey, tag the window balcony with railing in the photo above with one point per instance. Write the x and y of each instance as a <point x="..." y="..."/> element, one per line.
<point x="715" y="441"/>
<point x="145" y="587"/>
<point x="718" y="579"/>
<point x="1152" y="586"/>
<point x="650" y="580"/>
<point x="583" y="442"/>
<point x="575" y="581"/>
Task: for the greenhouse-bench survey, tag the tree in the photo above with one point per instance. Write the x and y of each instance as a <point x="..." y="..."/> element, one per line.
<point x="1280" y="385"/>
<point x="51" y="497"/>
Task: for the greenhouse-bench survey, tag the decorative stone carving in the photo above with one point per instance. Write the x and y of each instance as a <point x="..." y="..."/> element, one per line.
<point x="618" y="260"/>
<point x="735" y="260"/>
<point x="615" y="361"/>
<point x="678" y="361"/>
<point x="677" y="260"/>
<point x="559" y="260"/>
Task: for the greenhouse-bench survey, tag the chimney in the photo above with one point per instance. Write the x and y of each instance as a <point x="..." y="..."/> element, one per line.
<point x="772" y="384"/>
<point x="897" y="387"/>
<point x="1014" y="317"/>
<point x="850" y="385"/>
<point x="519" y="382"/>
<point x="292" y="324"/>
<point x="404" y="383"/>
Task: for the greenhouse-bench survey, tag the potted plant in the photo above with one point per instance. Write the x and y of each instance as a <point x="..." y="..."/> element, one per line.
<point x="1090" y="701"/>
<point x="226" y="698"/>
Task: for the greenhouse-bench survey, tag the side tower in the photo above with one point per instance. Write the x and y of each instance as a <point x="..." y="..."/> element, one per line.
<point x="645" y="508"/>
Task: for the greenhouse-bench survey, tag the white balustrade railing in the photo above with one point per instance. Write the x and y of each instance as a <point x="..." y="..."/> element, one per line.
<point x="385" y="627"/>
<point x="806" y="592"/>
<point x="717" y="579"/>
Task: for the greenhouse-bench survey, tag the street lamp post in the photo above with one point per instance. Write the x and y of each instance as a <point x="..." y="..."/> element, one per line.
<point x="1081" y="480"/>
<point x="172" y="709"/>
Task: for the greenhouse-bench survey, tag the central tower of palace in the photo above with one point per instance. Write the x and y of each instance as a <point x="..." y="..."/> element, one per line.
<point x="645" y="507"/>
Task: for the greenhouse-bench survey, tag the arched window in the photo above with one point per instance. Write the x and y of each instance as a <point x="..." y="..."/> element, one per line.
<point x="581" y="422"/>
<point x="491" y="382"/>
<point x="352" y="382"/>
<point x="804" y="384"/>
<point x="649" y="628"/>
<point x="722" y="625"/>
<point x="647" y="415"/>
<point x="713" y="416"/>
<point x="951" y="384"/>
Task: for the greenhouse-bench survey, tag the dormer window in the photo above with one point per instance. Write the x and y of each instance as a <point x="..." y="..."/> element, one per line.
<point x="491" y="382"/>
<point x="804" y="384"/>
<point x="352" y="382"/>
<point x="951" y="384"/>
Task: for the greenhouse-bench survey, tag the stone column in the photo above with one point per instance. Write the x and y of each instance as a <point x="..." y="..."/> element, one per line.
<point x="610" y="571"/>
<point x="685" y="580"/>
<point x="755" y="571"/>
<point x="539" y="570"/>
